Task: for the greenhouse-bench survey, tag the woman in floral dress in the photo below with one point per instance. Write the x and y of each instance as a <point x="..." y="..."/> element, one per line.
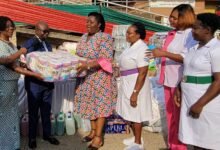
<point x="96" y="94"/>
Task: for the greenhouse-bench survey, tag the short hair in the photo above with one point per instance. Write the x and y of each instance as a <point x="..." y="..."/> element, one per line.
<point x="41" y="22"/>
<point x="3" y="22"/>
<point x="209" y="20"/>
<point x="100" y="19"/>
<point x="140" y="29"/>
<point x="186" y="15"/>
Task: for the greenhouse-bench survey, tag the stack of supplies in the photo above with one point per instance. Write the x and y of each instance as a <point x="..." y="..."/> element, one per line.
<point x="54" y="66"/>
<point x="116" y="124"/>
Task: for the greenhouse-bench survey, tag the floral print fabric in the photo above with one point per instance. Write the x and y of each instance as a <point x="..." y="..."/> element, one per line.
<point x="96" y="93"/>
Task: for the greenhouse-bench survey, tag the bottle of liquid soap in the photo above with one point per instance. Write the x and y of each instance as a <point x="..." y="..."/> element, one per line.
<point x="78" y="120"/>
<point x="60" y="124"/>
<point x="151" y="61"/>
<point x="70" y="123"/>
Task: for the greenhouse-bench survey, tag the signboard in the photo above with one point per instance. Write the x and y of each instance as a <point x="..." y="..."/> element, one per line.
<point x="170" y="3"/>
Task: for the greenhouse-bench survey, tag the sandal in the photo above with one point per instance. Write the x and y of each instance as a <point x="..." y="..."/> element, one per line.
<point x="88" y="138"/>
<point x="96" y="147"/>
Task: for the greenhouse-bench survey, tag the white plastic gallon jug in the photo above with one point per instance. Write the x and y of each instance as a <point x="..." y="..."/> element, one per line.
<point x="78" y="120"/>
<point x="70" y="124"/>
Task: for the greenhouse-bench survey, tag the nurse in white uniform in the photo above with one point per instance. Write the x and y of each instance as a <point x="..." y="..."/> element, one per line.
<point x="200" y="107"/>
<point x="134" y="98"/>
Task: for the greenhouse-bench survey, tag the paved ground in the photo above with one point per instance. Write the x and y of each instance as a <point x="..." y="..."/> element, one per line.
<point x="152" y="141"/>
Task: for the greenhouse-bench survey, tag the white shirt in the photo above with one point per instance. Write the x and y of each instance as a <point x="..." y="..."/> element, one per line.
<point x="44" y="44"/>
<point x="134" y="56"/>
<point x="203" y="61"/>
<point x="182" y="41"/>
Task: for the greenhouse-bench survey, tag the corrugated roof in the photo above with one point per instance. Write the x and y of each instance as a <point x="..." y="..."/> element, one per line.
<point x="30" y="14"/>
<point x="109" y="15"/>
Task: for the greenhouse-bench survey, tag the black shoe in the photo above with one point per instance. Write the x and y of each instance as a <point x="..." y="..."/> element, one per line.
<point x="52" y="140"/>
<point x="32" y="144"/>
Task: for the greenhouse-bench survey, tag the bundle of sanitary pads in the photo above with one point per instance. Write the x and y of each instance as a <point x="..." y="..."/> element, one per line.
<point x="54" y="66"/>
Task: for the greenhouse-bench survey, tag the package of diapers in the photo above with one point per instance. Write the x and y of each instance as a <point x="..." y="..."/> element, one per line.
<point x="54" y="66"/>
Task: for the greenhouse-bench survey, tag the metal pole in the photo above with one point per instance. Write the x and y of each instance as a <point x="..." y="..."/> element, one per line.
<point x="149" y="1"/>
<point x="126" y="6"/>
<point x="100" y="9"/>
<point x="107" y="3"/>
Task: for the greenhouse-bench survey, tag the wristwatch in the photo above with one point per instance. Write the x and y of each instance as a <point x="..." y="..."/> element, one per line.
<point x="135" y="91"/>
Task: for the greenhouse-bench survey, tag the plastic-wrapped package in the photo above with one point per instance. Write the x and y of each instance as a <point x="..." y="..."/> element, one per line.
<point x="120" y="43"/>
<point x="158" y="39"/>
<point x="116" y="124"/>
<point x="54" y="66"/>
<point x="69" y="47"/>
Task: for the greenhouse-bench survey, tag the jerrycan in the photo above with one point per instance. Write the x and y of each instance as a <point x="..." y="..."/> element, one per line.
<point x="70" y="123"/>
<point x="78" y="120"/>
<point x="60" y="124"/>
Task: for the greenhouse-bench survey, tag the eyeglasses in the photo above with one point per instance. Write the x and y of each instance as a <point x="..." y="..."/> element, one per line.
<point x="46" y="31"/>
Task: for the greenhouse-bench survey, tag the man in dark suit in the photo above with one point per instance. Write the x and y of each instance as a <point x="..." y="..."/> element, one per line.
<point x="39" y="93"/>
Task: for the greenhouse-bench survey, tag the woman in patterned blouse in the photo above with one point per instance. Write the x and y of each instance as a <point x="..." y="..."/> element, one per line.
<point x="9" y="69"/>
